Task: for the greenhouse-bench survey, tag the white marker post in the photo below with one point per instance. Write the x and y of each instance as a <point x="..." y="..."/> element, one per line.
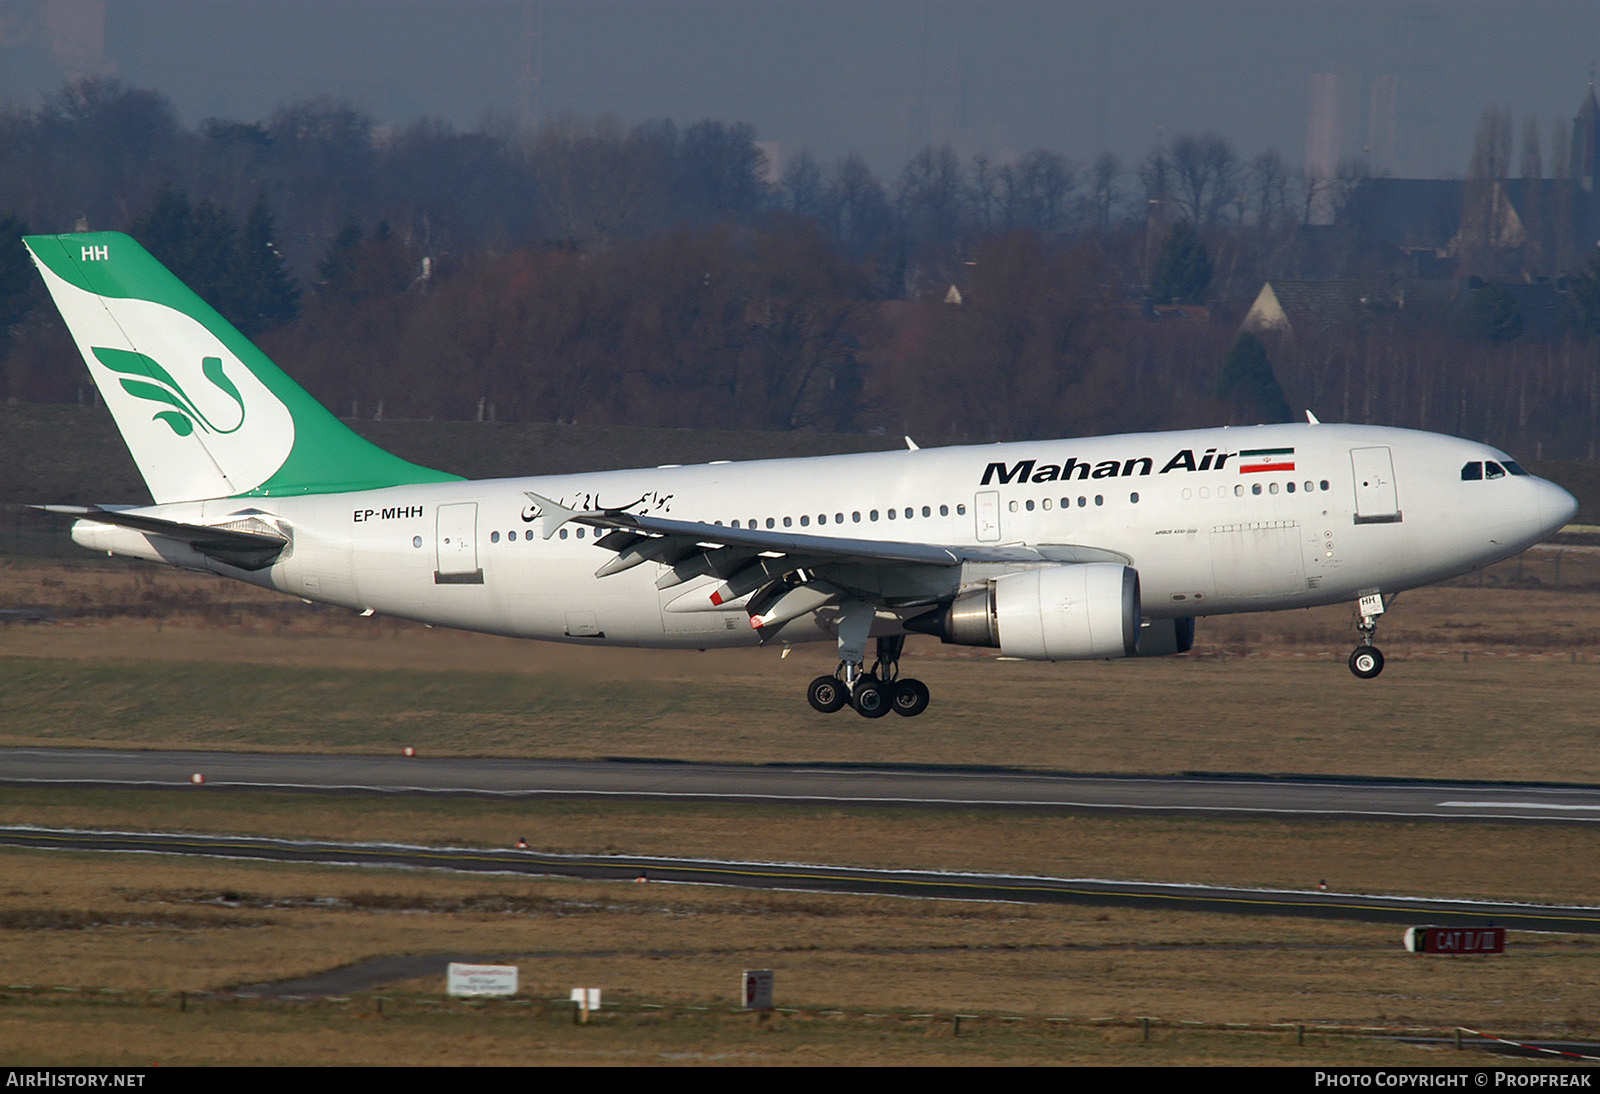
<point x="587" y="999"/>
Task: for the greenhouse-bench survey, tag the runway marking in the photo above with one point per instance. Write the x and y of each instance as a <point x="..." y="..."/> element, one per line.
<point x="1518" y="805"/>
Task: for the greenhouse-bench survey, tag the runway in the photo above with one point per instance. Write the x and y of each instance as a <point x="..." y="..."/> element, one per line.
<point x="934" y="788"/>
<point x="886" y="787"/>
<point x="922" y="884"/>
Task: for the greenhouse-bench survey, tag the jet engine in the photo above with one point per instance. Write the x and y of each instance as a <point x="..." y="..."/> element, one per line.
<point x="1074" y="612"/>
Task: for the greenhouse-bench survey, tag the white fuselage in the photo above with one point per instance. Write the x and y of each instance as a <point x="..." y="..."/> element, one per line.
<point x="1214" y="521"/>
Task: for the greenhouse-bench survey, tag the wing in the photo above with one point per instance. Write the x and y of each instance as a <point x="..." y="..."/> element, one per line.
<point x="786" y="574"/>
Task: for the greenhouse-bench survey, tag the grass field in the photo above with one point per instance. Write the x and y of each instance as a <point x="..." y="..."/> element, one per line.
<point x="1493" y="681"/>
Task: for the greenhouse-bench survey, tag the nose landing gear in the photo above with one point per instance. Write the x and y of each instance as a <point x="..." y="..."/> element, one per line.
<point x="1366" y="661"/>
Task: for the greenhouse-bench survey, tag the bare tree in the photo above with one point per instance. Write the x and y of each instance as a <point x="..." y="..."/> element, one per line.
<point x="855" y="208"/>
<point x="1104" y="192"/>
<point x="1037" y="192"/>
<point x="1205" y="175"/>
<point x="983" y="193"/>
<point x="801" y="186"/>
<point x="1269" y="190"/>
<point x="1156" y="178"/>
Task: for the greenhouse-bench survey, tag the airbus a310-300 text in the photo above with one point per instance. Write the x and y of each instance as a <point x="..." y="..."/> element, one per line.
<point x="1060" y="550"/>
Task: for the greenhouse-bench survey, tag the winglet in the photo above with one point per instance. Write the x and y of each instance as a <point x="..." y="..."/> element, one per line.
<point x="555" y="514"/>
<point x="1311" y="418"/>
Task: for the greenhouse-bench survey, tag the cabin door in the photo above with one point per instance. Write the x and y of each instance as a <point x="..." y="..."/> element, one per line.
<point x="457" y="545"/>
<point x="1377" y="501"/>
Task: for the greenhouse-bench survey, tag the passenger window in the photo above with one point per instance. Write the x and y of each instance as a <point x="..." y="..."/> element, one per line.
<point x="1493" y="470"/>
<point x="944" y="510"/>
<point x="927" y="512"/>
<point x="1029" y="505"/>
<point x="961" y="509"/>
<point x="1472" y="471"/>
<point x="494" y="537"/>
<point x="788" y="522"/>
<point x="805" y="521"/>
<point x="769" y="522"/>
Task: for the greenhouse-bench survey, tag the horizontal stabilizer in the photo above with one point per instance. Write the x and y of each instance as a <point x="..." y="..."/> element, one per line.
<point x="247" y="550"/>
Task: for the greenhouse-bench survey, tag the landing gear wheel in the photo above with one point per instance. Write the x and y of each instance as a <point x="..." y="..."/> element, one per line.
<point x="871" y="698"/>
<point x="1366" y="662"/>
<point x="910" y="697"/>
<point x="827" y="694"/>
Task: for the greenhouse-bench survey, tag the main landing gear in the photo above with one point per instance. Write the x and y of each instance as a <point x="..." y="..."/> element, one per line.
<point x="875" y="692"/>
<point x="1367" y="660"/>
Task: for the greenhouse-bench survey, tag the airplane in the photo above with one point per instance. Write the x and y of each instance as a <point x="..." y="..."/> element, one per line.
<point x="1057" y="550"/>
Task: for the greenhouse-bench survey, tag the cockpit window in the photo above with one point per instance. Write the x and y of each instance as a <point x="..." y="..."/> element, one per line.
<point x="1514" y="467"/>
<point x="1471" y="472"/>
<point x="1493" y="470"/>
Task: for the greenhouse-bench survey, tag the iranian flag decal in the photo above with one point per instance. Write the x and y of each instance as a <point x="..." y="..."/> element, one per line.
<point x="1265" y="459"/>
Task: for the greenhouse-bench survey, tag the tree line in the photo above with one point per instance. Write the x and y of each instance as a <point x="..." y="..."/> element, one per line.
<point x="594" y="272"/>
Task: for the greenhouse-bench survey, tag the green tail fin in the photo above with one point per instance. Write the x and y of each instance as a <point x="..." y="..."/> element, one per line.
<point x="204" y="412"/>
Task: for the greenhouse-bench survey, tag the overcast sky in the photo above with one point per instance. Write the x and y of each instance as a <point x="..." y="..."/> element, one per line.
<point x="1403" y="81"/>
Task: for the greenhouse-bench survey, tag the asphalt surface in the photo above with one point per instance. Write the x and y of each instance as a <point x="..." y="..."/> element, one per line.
<point x="776" y="783"/>
<point x="224" y="772"/>
<point x="832" y="879"/>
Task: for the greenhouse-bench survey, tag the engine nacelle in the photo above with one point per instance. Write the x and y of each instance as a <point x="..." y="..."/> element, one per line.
<point x="1073" y="612"/>
<point x="1164" y="637"/>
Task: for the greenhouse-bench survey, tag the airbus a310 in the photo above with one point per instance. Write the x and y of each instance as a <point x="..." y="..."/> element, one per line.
<point x="1062" y="550"/>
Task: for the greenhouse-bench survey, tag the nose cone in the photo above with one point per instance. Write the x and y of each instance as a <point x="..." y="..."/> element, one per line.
<point x="1554" y="506"/>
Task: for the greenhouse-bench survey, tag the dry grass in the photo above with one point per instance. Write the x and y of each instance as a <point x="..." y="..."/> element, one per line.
<point x="1535" y="863"/>
<point x="534" y="1035"/>
<point x="1490" y="681"/>
<point x="685" y="946"/>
